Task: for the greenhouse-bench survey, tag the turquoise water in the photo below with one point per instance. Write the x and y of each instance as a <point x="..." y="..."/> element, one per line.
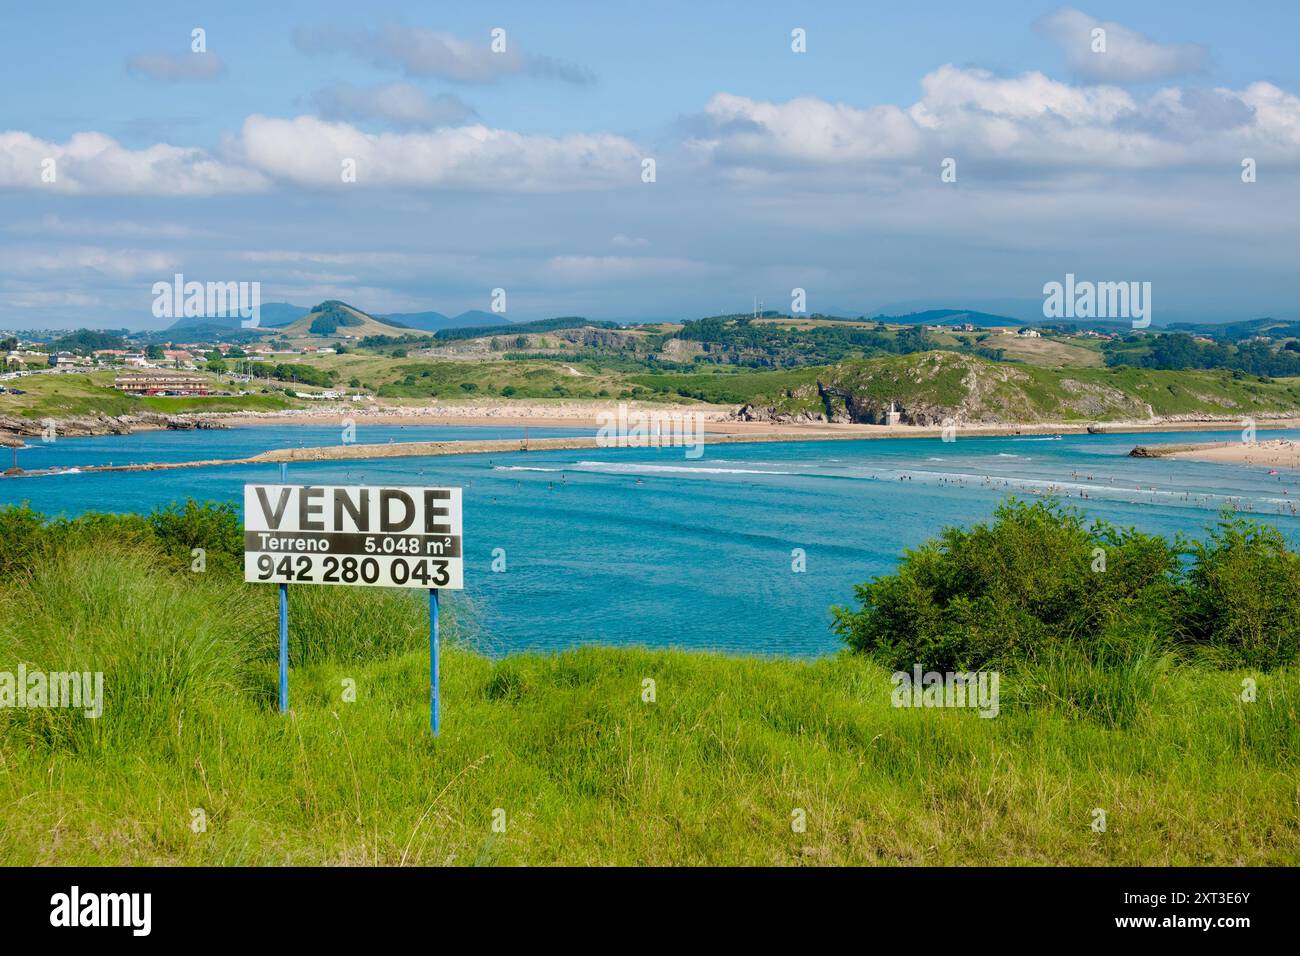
<point x="159" y="446"/>
<point x="645" y="546"/>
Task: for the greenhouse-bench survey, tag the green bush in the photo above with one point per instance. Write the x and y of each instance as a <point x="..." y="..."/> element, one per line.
<point x="27" y="536"/>
<point x="1245" y="597"/>
<point x="214" y="527"/>
<point x="20" y="534"/>
<point x="995" y="595"/>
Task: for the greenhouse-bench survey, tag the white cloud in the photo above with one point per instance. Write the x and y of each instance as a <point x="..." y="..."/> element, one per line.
<point x="1129" y="57"/>
<point x="1023" y="120"/>
<point x="310" y="151"/>
<point x="53" y="225"/>
<point x="116" y="263"/>
<point x="808" y="129"/>
<point x="177" y="69"/>
<point x="400" y="260"/>
<point x="95" y="163"/>
<point x="400" y="104"/>
<point x="419" y="52"/>
<point x="949" y="90"/>
<point x="24" y="298"/>
<point x="1277" y="115"/>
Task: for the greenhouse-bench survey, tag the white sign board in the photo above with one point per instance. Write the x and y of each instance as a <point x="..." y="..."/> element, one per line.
<point x="390" y="537"/>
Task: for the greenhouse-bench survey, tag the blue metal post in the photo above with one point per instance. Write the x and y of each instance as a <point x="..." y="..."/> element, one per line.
<point x="434" y="703"/>
<point x="284" y="648"/>
<point x="284" y="629"/>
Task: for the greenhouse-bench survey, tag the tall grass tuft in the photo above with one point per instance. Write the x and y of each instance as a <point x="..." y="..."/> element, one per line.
<point x="346" y="625"/>
<point x="165" y="645"/>
<point x="1115" y="681"/>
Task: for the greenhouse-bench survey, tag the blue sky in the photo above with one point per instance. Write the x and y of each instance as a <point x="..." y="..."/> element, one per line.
<point x="522" y="169"/>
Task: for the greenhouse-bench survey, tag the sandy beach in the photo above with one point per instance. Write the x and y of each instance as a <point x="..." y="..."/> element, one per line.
<point x="1273" y="453"/>
<point x="717" y="420"/>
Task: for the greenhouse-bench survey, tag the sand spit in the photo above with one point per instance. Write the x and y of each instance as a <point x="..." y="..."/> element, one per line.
<point x="1274" y="453"/>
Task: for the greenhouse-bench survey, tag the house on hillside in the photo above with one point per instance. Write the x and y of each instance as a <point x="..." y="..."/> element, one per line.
<point x="67" y="359"/>
<point x="1027" y="333"/>
<point x="179" y="356"/>
<point x="161" y="385"/>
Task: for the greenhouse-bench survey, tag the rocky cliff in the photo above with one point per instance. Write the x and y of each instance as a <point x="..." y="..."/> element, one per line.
<point x="15" y="426"/>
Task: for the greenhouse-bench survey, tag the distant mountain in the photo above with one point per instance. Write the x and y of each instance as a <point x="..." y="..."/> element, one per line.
<point x="274" y="315"/>
<point x="191" y="323"/>
<point x="277" y="314"/>
<point x="477" y="317"/>
<point x="202" y="330"/>
<point x="1024" y="310"/>
<point x="424" y="321"/>
<point x="281" y="315"/>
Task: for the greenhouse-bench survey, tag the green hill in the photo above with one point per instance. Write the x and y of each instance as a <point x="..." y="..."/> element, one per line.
<point x="333" y="318"/>
<point x="929" y="387"/>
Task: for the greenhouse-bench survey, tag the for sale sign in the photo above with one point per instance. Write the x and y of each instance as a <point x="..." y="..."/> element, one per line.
<point x="392" y="537"/>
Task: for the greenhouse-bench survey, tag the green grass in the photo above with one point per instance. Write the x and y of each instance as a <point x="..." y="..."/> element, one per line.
<point x="175" y="405"/>
<point x="68" y="395"/>
<point x="62" y="395"/>
<point x="530" y="379"/>
<point x="729" y="387"/>
<point x="584" y="769"/>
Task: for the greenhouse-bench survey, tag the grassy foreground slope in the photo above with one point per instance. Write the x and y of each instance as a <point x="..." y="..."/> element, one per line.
<point x="584" y="768"/>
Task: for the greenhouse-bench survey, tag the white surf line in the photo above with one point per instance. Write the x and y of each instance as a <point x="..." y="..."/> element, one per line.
<point x="630" y="467"/>
<point x="1048" y="486"/>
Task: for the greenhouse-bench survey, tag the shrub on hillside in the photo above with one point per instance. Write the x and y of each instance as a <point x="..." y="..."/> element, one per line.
<point x="1244" y="608"/>
<point x="20" y="531"/>
<point x="175" y="530"/>
<point x="1011" y="591"/>
<point x="213" y="526"/>
<point x="27" y="535"/>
